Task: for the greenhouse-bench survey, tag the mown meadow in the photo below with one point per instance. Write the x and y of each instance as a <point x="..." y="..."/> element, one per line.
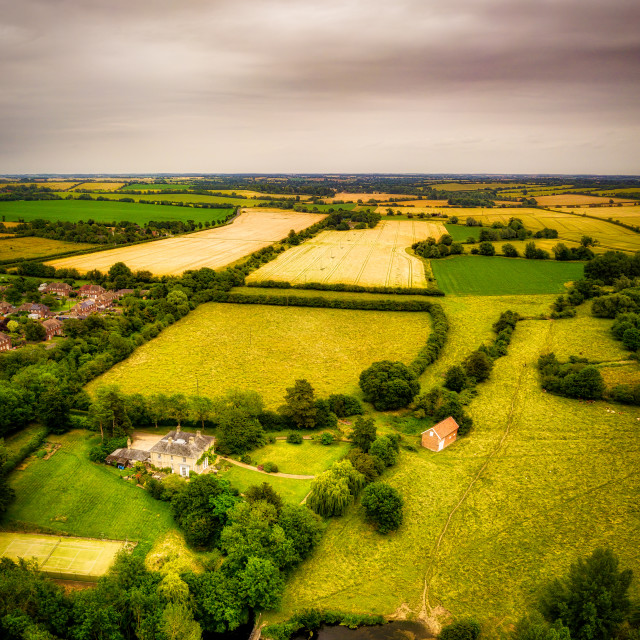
<point x="224" y="346"/>
<point x="71" y="494"/>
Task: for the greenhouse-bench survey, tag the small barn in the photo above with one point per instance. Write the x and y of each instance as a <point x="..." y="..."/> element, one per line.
<point x="441" y="435"/>
<point x="123" y="458"/>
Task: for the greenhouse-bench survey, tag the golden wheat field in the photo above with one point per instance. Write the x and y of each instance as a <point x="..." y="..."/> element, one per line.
<point x="98" y="186"/>
<point x="367" y="257"/>
<point x="59" y="185"/>
<point x="213" y="248"/>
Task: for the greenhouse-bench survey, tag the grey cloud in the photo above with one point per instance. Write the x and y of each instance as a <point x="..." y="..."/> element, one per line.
<point x="99" y="84"/>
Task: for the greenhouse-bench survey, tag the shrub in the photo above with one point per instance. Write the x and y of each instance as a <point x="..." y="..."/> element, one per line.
<point x="383" y="506"/>
<point x="326" y="438"/>
<point x="389" y="385"/>
<point x="385" y="449"/>
<point x="270" y="467"/>
<point x="246" y="459"/>
<point x="461" y="630"/>
<point x="344" y="405"/>
<point x="294" y="438"/>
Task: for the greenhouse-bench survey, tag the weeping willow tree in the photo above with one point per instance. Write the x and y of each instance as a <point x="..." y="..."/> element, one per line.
<point x="334" y="490"/>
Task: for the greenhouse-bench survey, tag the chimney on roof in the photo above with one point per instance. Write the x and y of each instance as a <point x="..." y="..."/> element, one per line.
<point x="198" y="434"/>
<point x="178" y="429"/>
<point x="170" y="439"/>
<point x="128" y="443"/>
<point x="190" y="440"/>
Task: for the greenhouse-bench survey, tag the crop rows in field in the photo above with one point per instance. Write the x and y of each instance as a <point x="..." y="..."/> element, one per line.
<point x="368" y="257"/>
<point x="213" y="248"/>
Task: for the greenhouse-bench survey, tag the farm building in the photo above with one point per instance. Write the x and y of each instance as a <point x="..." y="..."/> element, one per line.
<point x="84" y="308"/>
<point x="105" y="300"/>
<point x="181" y="451"/>
<point x="5" y="342"/>
<point x="441" y="435"/>
<point x="124" y="458"/>
<point x="53" y="327"/>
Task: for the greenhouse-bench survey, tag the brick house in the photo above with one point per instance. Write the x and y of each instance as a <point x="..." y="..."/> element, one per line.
<point x="6" y="309"/>
<point x="35" y="309"/>
<point x="181" y="450"/>
<point x="53" y="327"/>
<point x="5" y="342"/>
<point x="90" y="290"/>
<point x="84" y="308"/>
<point x="105" y="300"/>
<point x="441" y="435"/>
<point x="58" y="289"/>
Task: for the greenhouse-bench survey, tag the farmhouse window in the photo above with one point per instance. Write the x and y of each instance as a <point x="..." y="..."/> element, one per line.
<point x="159" y="456"/>
<point x="184" y="459"/>
<point x="205" y="463"/>
<point x="171" y="458"/>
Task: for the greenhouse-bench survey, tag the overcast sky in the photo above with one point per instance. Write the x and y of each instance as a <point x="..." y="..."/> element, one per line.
<point x="504" y="86"/>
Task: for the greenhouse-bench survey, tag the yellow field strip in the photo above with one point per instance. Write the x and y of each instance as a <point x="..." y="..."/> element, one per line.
<point x="368" y="257"/>
<point x="213" y="248"/>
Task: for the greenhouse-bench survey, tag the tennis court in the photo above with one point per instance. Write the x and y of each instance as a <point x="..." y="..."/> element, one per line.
<point x="62" y="557"/>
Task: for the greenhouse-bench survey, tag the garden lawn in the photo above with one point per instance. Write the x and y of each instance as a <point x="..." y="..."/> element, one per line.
<point x="532" y="488"/>
<point x="71" y="494"/>
<point x="494" y="276"/>
<point x="264" y="348"/>
<point x="103" y="211"/>
<point x="309" y="458"/>
<point x="32" y="247"/>
<point x="292" y="491"/>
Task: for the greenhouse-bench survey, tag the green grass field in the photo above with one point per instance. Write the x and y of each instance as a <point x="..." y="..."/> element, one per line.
<point x="156" y="186"/>
<point x="493" y="276"/>
<point x="103" y="211"/>
<point x="61" y="557"/>
<point x="68" y="493"/>
<point x="184" y="197"/>
<point x="309" y="458"/>
<point x="460" y="232"/>
<point x="491" y="519"/>
<point x="267" y="349"/>
<point x="33" y="247"/>
<point x="293" y="491"/>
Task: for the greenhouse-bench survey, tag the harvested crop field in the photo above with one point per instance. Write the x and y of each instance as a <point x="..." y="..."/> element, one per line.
<point x="98" y="186"/>
<point x="374" y="257"/>
<point x="213" y="248"/>
<point x="32" y="247"/>
<point x="62" y="558"/>
<point x="495" y="276"/>
<point x="266" y="349"/>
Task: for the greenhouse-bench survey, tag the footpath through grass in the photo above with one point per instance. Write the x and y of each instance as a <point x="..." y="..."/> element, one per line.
<point x="497" y="276"/>
<point x="539" y="482"/>
<point x="71" y="494"/>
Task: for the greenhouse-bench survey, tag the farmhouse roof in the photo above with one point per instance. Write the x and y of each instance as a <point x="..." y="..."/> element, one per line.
<point x="4" y="337"/>
<point x="5" y="307"/>
<point x="444" y="428"/>
<point x="58" y="286"/>
<point x="127" y="455"/>
<point x="183" y="443"/>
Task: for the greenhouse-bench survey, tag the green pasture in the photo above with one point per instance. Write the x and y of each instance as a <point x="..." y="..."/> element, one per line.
<point x="460" y="232"/>
<point x="195" y="198"/>
<point x="71" y="494"/>
<point x="293" y="491"/>
<point x="103" y="211"/>
<point x="309" y="458"/>
<point x="499" y="513"/>
<point x="62" y="557"/>
<point x="267" y="348"/>
<point x="493" y="276"/>
<point x="156" y="186"/>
